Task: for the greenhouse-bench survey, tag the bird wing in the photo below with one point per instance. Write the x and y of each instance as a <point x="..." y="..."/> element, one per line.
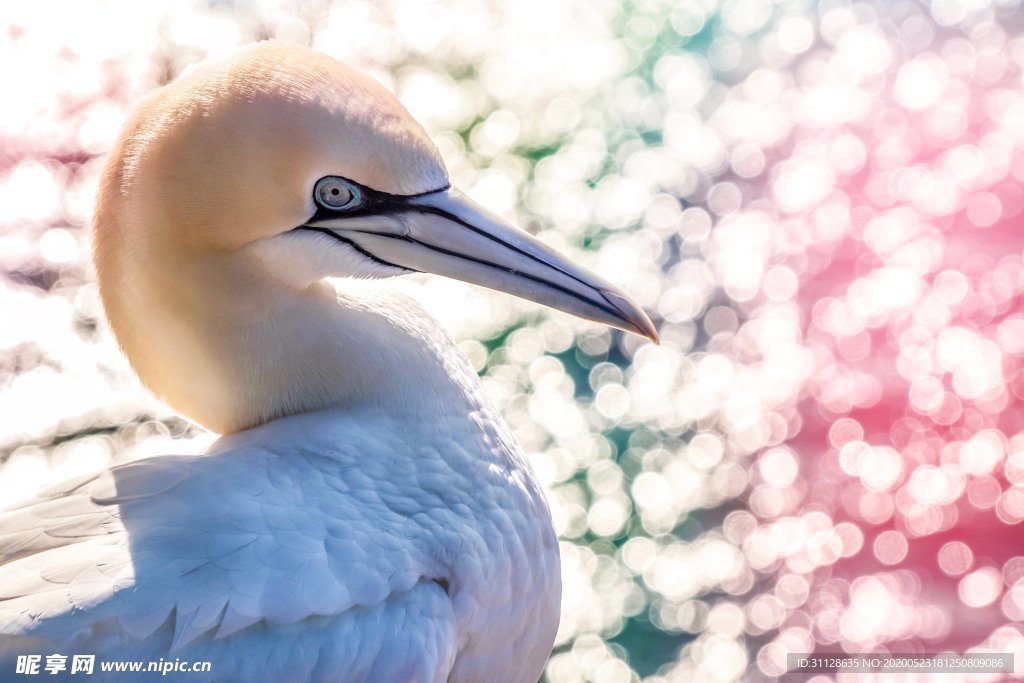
<point x="188" y="551"/>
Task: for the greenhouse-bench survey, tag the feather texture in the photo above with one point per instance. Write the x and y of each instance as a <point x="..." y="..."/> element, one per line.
<point x="260" y="558"/>
<point x="368" y="518"/>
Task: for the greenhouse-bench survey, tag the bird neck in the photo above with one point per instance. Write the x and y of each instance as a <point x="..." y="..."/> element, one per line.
<point x="232" y="351"/>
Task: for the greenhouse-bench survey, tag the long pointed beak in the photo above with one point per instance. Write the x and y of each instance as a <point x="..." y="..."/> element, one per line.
<point x="447" y="233"/>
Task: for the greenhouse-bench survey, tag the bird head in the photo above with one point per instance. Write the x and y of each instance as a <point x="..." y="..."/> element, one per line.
<point x="232" y="194"/>
<point x="315" y="170"/>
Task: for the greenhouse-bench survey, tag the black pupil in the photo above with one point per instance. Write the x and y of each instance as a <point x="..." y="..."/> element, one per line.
<point x="335" y="194"/>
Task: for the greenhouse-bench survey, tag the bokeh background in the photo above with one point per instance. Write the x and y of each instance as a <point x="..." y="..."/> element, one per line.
<point x="818" y="202"/>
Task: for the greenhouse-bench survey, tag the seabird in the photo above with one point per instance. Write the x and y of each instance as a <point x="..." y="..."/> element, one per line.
<point x="367" y="515"/>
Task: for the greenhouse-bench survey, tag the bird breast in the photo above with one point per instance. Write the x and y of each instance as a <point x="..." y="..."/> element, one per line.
<point x="452" y="500"/>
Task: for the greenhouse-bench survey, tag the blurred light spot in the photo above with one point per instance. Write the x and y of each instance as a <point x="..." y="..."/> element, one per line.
<point x="982" y="453"/>
<point x="639" y="552"/>
<point x="687" y="20"/>
<point x="843" y="431"/>
<point x="875" y="507"/>
<point x="1010" y="506"/>
<point x="612" y="400"/>
<point x="929" y="484"/>
<point x="951" y="286"/>
<point x="738" y="526"/>
<point x="1010" y="335"/>
<point x="796" y="34"/>
<point x="778" y="467"/>
<point x="1013" y="602"/>
<point x="890" y="547"/>
<point x="495" y="190"/>
<point x="984" y="209"/>
<point x="847" y="153"/>
<point x="496" y="134"/>
<point x="607" y="516"/>
<point x="920" y="82"/>
<point x="724" y="198"/>
<point x="30" y="192"/>
<point x="58" y="246"/>
<point x="765" y="612"/>
<point x="878" y="467"/>
<point x="862" y="50"/>
<point x="695" y="224"/>
<point x="747" y="160"/>
<point x="780" y="284"/>
<point x="851" y="538"/>
<point x="876" y="612"/>
<point x="1013" y="570"/>
<point x="720" y="320"/>
<point x="980" y="588"/>
<point x="983" y="492"/>
<point x="802" y="184"/>
<point x="955" y="558"/>
<point x="435" y="99"/>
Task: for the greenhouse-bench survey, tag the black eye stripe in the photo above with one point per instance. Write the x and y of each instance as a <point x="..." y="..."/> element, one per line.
<point x="366" y="200"/>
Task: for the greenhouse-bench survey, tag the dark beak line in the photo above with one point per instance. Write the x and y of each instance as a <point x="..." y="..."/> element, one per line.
<point x="383" y="203"/>
<point x="605" y="305"/>
<point x="376" y="202"/>
<point x="373" y="257"/>
<point x="533" y="257"/>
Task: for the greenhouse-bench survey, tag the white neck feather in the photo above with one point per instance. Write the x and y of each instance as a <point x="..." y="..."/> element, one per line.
<point x="232" y="348"/>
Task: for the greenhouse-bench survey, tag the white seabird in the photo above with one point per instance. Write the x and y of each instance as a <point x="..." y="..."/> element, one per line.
<point x="367" y="515"/>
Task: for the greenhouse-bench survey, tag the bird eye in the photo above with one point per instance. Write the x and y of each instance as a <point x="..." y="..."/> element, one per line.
<point x="336" y="193"/>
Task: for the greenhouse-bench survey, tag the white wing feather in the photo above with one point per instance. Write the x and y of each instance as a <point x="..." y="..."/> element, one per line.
<point x="223" y="556"/>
